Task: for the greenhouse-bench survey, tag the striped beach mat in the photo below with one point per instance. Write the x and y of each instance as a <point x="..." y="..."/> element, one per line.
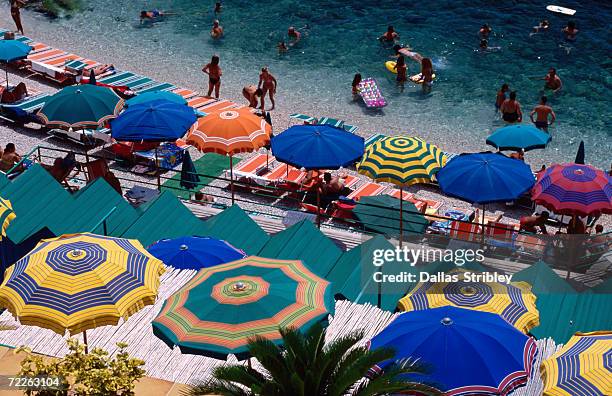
<point x="303" y="117"/>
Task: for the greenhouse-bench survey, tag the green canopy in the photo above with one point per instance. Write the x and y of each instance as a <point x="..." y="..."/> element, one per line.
<point x="81" y="107"/>
<point x="381" y="214"/>
<point x="543" y="279"/>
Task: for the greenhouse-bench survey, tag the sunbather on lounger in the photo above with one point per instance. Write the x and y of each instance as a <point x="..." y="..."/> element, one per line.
<point x="14" y="94"/>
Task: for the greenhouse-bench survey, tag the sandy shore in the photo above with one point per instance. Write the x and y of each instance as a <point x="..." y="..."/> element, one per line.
<point x="27" y="138"/>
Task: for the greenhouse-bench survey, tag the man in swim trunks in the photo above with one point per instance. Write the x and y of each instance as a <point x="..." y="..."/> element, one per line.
<point x="252" y="94"/>
<point x="511" y="109"/>
<point x="552" y="80"/>
<point x="542" y="111"/>
<point x="267" y="84"/>
<point x="217" y="31"/>
<point x="570" y="31"/>
<point x="294" y="34"/>
<point x="390" y="35"/>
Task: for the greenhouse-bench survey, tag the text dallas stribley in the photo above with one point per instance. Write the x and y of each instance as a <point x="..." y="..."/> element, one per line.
<point x="467" y="277"/>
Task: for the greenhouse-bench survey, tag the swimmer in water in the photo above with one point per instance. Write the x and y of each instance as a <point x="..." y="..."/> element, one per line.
<point x="570" y="31"/>
<point x="484" y="46"/>
<point x="552" y="80"/>
<point x="217" y="31"/>
<point x="218" y="7"/>
<point x="501" y="96"/>
<point x="542" y="111"/>
<point x="389" y="35"/>
<point x="152" y="16"/>
<point x="282" y="47"/>
<point x="405" y="51"/>
<point x="402" y="70"/>
<point x="294" y="35"/>
<point x="542" y="27"/>
<point x="484" y="31"/>
<point x="427" y="73"/>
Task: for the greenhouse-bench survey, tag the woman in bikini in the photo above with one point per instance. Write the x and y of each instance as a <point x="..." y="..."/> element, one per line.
<point x="401" y="69"/>
<point x="427" y="74"/>
<point x="501" y="96"/>
<point x="511" y="109"/>
<point x="267" y="84"/>
<point x="16" y="13"/>
<point x="214" y="76"/>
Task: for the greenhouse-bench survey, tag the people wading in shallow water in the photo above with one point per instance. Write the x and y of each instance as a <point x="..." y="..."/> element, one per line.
<point x="214" y="75"/>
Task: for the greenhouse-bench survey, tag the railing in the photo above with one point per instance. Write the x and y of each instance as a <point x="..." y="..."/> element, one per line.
<point x="567" y="253"/>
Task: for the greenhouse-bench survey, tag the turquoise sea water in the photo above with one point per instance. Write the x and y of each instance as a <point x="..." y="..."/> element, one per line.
<point x="340" y="40"/>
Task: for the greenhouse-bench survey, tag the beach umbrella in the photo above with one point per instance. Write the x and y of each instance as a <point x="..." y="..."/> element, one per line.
<point x="512" y="301"/>
<point x="580" y="154"/>
<point x="155" y="121"/>
<point x="222" y="307"/>
<point x="189" y="173"/>
<point x="519" y="137"/>
<point x="574" y="189"/>
<point x="78" y="282"/>
<point x="484" y="178"/>
<point x="230" y="132"/>
<point x="582" y="367"/>
<point x="156" y="95"/>
<point x="468" y="352"/>
<point x="402" y="161"/>
<point x="317" y="147"/>
<point x="194" y="252"/>
<point x="379" y="213"/>
<point x="6" y="215"/>
<point x="81" y="106"/>
<point x="12" y="50"/>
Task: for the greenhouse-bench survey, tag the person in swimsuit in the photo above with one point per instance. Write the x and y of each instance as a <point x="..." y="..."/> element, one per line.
<point x="543" y="111"/>
<point x="570" y="31"/>
<point x="427" y="74"/>
<point x="282" y="47"/>
<point x="217" y="31"/>
<point x="390" y="35"/>
<point x="542" y="27"/>
<point x="267" y="84"/>
<point x="552" y="80"/>
<point x="501" y="96"/>
<point x="294" y="35"/>
<point x="214" y="75"/>
<point x="355" y="85"/>
<point x="218" y="7"/>
<point x="511" y="109"/>
<point x="10" y="158"/>
<point x="252" y="94"/>
<point x="402" y="70"/>
<point x="405" y="51"/>
<point x="532" y="223"/>
<point x="484" y="31"/>
<point x="152" y="16"/>
<point x="16" y="13"/>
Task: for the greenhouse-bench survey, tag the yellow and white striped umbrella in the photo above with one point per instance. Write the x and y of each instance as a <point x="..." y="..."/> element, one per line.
<point x="514" y="302"/>
<point x="6" y="215"/>
<point x="402" y="161"/>
<point x="80" y="281"/>
<point x="583" y="367"/>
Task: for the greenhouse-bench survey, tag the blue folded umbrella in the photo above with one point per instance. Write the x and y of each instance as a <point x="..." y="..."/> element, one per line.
<point x="194" y="252"/>
<point x="317" y="147"/>
<point x="466" y="351"/>
<point x="189" y="174"/>
<point x="485" y="177"/>
<point x="517" y="137"/>
<point x="156" y="121"/>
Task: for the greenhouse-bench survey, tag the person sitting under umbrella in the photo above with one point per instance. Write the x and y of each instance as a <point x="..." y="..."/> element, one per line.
<point x="10" y="158"/>
<point x="532" y="223"/>
<point x="331" y="188"/>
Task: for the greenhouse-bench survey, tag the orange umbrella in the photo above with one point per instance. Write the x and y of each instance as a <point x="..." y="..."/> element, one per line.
<point x="230" y="132"/>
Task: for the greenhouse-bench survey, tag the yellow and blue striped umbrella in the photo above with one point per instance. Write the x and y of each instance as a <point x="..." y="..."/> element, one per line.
<point x="6" y="215"/>
<point x="402" y="161"/>
<point x="583" y="367"/>
<point x="514" y="301"/>
<point x="80" y="281"/>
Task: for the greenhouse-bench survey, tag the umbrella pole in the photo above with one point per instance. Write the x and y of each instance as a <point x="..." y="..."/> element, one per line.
<point x="482" y="228"/>
<point x="6" y="70"/>
<point x="401" y="225"/>
<point x="231" y="177"/>
<point x="85" y="341"/>
<point x="318" y="207"/>
<point x="157" y="171"/>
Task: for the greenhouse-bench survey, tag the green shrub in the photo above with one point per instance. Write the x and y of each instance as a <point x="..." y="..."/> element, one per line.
<point x="91" y="374"/>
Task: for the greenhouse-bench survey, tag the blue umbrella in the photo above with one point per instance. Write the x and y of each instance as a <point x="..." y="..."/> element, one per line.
<point x="467" y="351"/>
<point x="194" y="252"/>
<point x="189" y="174"/>
<point x="317" y="147"/>
<point x="12" y="50"/>
<point x="517" y="137"/>
<point x="485" y="177"/>
<point x="156" y="95"/>
<point x="156" y="121"/>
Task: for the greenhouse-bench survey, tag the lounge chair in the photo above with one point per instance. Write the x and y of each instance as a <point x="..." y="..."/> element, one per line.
<point x="251" y="168"/>
<point x="157" y="87"/>
<point x="218" y="105"/>
<point x="344" y="208"/>
<point x="96" y="168"/>
<point x="63" y="169"/>
<point x="373" y="139"/>
<point x="24" y="111"/>
<point x="115" y="78"/>
<point x="46" y="55"/>
<point x="38" y="47"/>
<point x="54" y="73"/>
<point x="501" y="235"/>
<point x="62" y="60"/>
<point x="200" y="102"/>
<point x="530" y="245"/>
<point x="471" y="232"/>
<point x="185" y="93"/>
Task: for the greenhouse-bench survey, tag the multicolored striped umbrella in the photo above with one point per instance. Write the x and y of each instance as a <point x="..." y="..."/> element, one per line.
<point x="80" y="281"/>
<point x="583" y="367"/>
<point x="81" y="106"/>
<point x="230" y="132"/>
<point x="216" y="312"/>
<point x="514" y="302"/>
<point x="402" y="161"/>
<point x="6" y="215"/>
<point x="574" y="189"/>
